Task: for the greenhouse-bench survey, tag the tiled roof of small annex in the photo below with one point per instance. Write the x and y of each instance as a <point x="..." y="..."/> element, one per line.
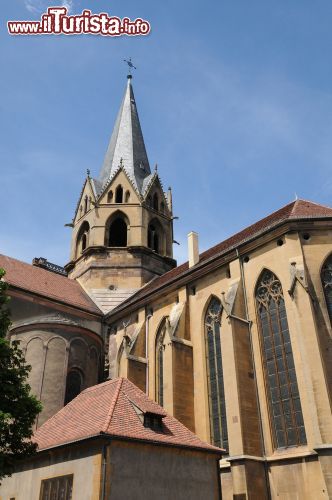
<point x="296" y="210"/>
<point x="108" y="408"/>
<point x="46" y="283"/>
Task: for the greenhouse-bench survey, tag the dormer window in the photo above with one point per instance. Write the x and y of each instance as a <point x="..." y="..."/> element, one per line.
<point x="150" y="420"/>
<point x="153" y="421"/>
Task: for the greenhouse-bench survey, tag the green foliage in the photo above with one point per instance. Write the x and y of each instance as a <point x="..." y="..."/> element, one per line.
<point x="18" y="408"/>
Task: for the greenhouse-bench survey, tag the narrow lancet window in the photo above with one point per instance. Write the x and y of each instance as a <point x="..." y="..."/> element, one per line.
<point x="326" y="276"/>
<point x="74" y="385"/>
<point x="119" y="194"/>
<point x="216" y="390"/>
<point x="84" y="242"/>
<point x="155" y="201"/>
<point x="156" y="237"/>
<point x="280" y="377"/>
<point x="160" y="350"/>
<point x="82" y="238"/>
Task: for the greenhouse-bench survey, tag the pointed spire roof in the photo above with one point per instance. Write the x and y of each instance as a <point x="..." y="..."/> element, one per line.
<point x="126" y="147"/>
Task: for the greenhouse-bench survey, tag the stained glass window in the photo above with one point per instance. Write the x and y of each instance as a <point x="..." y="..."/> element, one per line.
<point x="160" y="349"/>
<point x="280" y="377"/>
<point x="327" y="284"/>
<point x="216" y="391"/>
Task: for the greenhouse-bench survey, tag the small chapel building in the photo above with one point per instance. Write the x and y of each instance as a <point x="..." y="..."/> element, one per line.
<point x="236" y="343"/>
<point x="113" y="442"/>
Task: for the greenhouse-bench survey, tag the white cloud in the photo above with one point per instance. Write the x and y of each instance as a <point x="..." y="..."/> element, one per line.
<point x="40" y="6"/>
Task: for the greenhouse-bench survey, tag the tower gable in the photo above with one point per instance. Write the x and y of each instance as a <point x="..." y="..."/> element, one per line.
<point x="112" y="192"/>
<point x="86" y="201"/>
<point x="155" y="198"/>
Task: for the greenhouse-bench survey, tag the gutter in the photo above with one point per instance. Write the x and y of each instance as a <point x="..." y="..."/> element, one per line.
<point x="110" y="437"/>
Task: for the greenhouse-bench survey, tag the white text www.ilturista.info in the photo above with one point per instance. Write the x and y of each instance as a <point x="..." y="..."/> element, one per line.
<point x="56" y="21"/>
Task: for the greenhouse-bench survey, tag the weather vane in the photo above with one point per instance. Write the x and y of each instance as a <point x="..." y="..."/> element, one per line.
<point x="130" y="64"/>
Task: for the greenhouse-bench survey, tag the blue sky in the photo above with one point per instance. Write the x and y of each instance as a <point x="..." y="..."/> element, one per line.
<point x="235" y="102"/>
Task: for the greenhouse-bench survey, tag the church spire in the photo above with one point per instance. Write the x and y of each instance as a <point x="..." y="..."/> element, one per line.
<point x="126" y="147"/>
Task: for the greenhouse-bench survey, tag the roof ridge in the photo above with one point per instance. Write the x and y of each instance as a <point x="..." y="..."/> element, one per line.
<point x="28" y="264"/>
<point x="253" y="230"/>
<point x="100" y="385"/>
<point x="112" y="407"/>
<point x="311" y="202"/>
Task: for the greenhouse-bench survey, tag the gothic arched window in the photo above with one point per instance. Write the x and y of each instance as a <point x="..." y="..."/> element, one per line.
<point x="153" y="238"/>
<point x="216" y="390"/>
<point x="280" y="377"/>
<point x="160" y="350"/>
<point x="74" y="385"/>
<point x="127" y="197"/>
<point x="119" y="194"/>
<point x="110" y="196"/>
<point x="326" y="277"/>
<point x="118" y="233"/>
<point x="82" y="238"/>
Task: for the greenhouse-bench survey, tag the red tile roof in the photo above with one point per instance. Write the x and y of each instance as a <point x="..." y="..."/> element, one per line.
<point x="296" y="210"/>
<point x="42" y="282"/>
<point x="109" y="409"/>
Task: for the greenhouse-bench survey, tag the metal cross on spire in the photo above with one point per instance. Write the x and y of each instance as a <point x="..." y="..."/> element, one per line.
<point x="130" y="65"/>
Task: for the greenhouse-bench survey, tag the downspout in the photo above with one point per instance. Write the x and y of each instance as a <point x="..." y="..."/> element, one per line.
<point x="219" y="478"/>
<point x="267" y="481"/>
<point x="146" y="352"/>
<point x="103" y="472"/>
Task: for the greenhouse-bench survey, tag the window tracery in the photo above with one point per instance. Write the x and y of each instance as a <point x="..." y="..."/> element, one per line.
<point x="216" y="390"/>
<point x="160" y="350"/>
<point x="326" y="277"/>
<point x="280" y="377"/>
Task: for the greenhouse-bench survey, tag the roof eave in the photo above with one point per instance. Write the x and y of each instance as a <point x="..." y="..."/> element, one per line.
<point x="115" y="437"/>
<point x="201" y="265"/>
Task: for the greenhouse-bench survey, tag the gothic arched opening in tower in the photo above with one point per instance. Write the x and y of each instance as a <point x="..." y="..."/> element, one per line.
<point x="155" y="237"/>
<point x="118" y="233"/>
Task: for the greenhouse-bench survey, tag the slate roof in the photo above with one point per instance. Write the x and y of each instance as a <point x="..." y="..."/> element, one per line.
<point x="109" y="409"/>
<point x="296" y="210"/>
<point x="46" y="283"/>
<point x="127" y="143"/>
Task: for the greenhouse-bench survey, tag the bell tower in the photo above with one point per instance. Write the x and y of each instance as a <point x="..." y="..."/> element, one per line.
<point x="122" y="233"/>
